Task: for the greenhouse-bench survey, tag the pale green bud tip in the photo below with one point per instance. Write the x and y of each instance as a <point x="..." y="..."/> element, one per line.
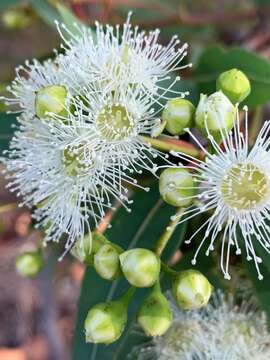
<point x="191" y="290"/>
<point x="106" y="262"/>
<point x="140" y="267"/>
<point x="16" y="18"/>
<point x="105" y="322"/>
<point x="178" y="114"/>
<point x="155" y="315"/>
<point x="29" y="263"/>
<point x="158" y="128"/>
<point x="234" y="84"/>
<point x="51" y="99"/>
<point x="176" y="186"/>
<point x="82" y="249"/>
<point x="215" y="113"/>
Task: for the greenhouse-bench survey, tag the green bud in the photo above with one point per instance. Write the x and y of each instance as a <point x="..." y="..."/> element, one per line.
<point x="191" y="289"/>
<point x="29" y="264"/>
<point x="105" y="322"/>
<point x="176" y="186"/>
<point x="158" y="128"/>
<point x="51" y="99"/>
<point x="140" y="267"/>
<point x="178" y="114"/>
<point x="85" y="249"/>
<point x="215" y="112"/>
<point x="16" y="18"/>
<point x="234" y="84"/>
<point x="155" y="315"/>
<point x="106" y="262"/>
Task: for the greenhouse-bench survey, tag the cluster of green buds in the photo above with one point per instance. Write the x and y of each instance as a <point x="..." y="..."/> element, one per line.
<point x="141" y="267"/>
<point x="214" y="113"/>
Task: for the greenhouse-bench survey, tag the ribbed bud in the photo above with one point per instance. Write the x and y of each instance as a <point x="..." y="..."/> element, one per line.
<point x="140" y="267"/>
<point x="155" y="315"/>
<point x="234" y="84"/>
<point x="106" y="262"/>
<point x="214" y="114"/>
<point x="176" y="186"/>
<point x="29" y="264"/>
<point x="178" y="114"/>
<point x="105" y="322"/>
<point x="191" y="289"/>
<point x="51" y="99"/>
<point x="85" y="249"/>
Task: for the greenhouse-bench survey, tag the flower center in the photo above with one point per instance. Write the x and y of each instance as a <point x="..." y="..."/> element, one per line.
<point x="244" y="187"/>
<point x="78" y="160"/>
<point x="114" y="123"/>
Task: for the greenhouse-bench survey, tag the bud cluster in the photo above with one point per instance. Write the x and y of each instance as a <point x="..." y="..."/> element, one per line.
<point x="214" y="116"/>
<point x="105" y="322"/>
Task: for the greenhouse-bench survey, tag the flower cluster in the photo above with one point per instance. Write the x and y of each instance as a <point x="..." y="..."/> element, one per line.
<point x="230" y="182"/>
<point x="79" y="143"/>
<point x="211" y="333"/>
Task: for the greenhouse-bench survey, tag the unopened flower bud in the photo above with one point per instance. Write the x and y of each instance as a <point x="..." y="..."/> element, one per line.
<point x="176" y="186"/>
<point x="191" y="289"/>
<point x="234" y="84"/>
<point x="51" y="99"/>
<point x="140" y="267"/>
<point x="105" y="322"/>
<point x="215" y="114"/>
<point x="106" y="262"/>
<point x="155" y="315"/>
<point x="16" y="18"/>
<point x="178" y="114"/>
<point x="85" y="249"/>
<point x="29" y="263"/>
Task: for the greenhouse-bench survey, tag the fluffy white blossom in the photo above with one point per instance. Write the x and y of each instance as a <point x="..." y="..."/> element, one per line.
<point x="232" y="184"/>
<point x="122" y="57"/>
<point x="84" y="119"/>
<point x="221" y="331"/>
<point x="61" y="170"/>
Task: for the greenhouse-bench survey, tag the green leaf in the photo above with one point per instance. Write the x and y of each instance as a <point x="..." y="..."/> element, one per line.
<point x="215" y="60"/>
<point x="58" y="12"/>
<point x="262" y="288"/>
<point x="46" y="11"/>
<point x="141" y="228"/>
<point x="8" y="3"/>
<point x="6" y="129"/>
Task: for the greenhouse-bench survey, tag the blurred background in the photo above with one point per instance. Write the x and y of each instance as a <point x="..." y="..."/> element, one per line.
<point x="37" y="316"/>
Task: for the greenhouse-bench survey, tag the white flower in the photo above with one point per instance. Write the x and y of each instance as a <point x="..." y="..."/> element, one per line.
<point x="121" y="58"/>
<point x="61" y="170"/>
<point x="221" y="331"/>
<point x="233" y="184"/>
<point x="119" y="120"/>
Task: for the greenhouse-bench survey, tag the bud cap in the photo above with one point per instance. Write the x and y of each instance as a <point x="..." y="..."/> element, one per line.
<point x="51" y="99"/>
<point x="191" y="289"/>
<point x="178" y="114"/>
<point x="105" y="322"/>
<point x="234" y="84"/>
<point x="215" y="113"/>
<point x="140" y="267"/>
<point x="29" y="263"/>
<point x="155" y="315"/>
<point x="106" y="262"/>
<point x="176" y="186"/>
